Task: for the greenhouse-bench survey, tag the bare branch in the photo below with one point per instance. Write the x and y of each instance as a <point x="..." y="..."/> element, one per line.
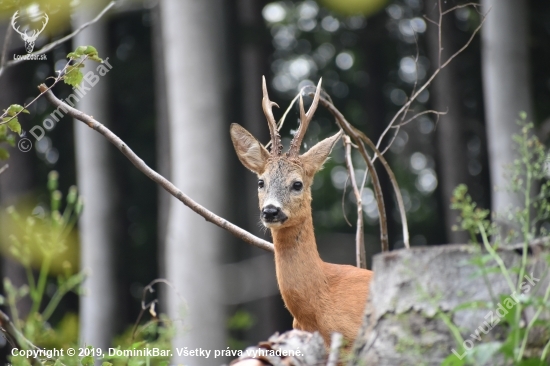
<point x="475" y="5"/>
<point x="430" y="111"/>
<point x="344" y="202"/>
<point x="153" y="175"/>
<point x="360" y="255"/>
<point x="359" y="137"/>
<point x="406" y="106"/>
<point x="356" y="135"/>
<point x="3" y="169"/>
<point x="483" y="17"/>
<point x="54" y="44"/>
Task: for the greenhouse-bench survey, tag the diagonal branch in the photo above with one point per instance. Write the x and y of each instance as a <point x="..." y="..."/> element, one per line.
<point x="153" y="175"/>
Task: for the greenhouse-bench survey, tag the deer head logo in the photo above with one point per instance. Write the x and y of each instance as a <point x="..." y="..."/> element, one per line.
<point x="29" y="39"/>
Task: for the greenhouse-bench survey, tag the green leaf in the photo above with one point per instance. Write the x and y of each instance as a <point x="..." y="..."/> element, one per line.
<point x="74" y="76"/>
<point x="106" y="364"/>
<point x="14" y="109"/>
<point x="14" y="125"/>
<point x="89" y="51"/>
<point x="4" y="154"/>
<point x="87" y="361"/>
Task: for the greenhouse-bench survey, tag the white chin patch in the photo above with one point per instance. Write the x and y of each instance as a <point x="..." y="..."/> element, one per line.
<point x="270" y="225"/>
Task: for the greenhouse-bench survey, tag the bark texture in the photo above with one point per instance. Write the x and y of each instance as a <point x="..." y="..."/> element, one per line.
<point x="410" y="291"/>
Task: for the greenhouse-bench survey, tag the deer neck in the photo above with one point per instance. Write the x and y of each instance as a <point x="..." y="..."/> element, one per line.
<point x="298" y="265"/>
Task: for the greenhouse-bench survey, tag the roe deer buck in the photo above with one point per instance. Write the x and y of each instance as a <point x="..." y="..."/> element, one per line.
<point x="321" y="296"/>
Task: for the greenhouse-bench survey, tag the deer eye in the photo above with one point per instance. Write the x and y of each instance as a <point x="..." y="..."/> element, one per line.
<point x="261" y="183"/>
<point x="297" y="186"/>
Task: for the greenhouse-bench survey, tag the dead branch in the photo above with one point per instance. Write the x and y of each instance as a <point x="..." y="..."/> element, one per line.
<point x="3" y="169"/>
<point x="359" y="137"/>
<point x="52" y="45"/>
<point x="360" y="255"/>
<point x="440" y="67"/>
<point x="153" y="175"/>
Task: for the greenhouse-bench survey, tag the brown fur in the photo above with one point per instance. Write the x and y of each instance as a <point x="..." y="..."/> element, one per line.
<point x="321" y="296"/>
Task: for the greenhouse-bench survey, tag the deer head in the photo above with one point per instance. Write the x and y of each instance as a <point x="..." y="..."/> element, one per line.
<point x="284" y="180"/>
<point x="29" y="39"/>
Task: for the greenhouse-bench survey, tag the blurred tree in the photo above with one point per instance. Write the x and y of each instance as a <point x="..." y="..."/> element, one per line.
<point x="506" y="86"/>
<point x="452" y="129"/>
<point x="97" y="186"/>
<point x="193" y="42"/>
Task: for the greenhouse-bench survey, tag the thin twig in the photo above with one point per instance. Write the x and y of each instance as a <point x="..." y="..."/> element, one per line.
<point x="335" y="345"/>
<point x="434" y="74"/>
<point x="360" y="254"/>
<point x="431" y="111"/>
<point x="344" y="201"/>
<point x="151" y="304"/>
<point x="56" y="80"/>
<point x="52" y="45"/>
<point x="153" y="175"/>
<point x="3" y="169"/>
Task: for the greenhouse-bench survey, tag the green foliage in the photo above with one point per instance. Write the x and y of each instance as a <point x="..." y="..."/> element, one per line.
<point x="73" y="75"/>
<point x="35" y="241"/>
<point x="10" y="123"/>
<point x="529" y="170"/>
<point x="48" y="233"/>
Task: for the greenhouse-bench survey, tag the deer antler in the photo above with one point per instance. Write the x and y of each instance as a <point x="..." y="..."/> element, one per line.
<point x="267" y="105"/>
<point x="46" y="19"/>
<point x="305" y="118"/>
<point x="13" y="18"/>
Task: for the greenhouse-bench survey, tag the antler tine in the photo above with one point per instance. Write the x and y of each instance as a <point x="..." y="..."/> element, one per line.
<point x="15" y="16"/>
<point x="267" y="105"/>
<point x="305" y="118"/>
<point x="45" y="22"/>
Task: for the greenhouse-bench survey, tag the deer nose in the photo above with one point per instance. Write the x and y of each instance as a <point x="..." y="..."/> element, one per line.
<point x="270" y="212"/>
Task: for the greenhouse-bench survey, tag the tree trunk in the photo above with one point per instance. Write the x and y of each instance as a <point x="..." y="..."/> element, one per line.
<point x="96" y="184"/>
<point x="193" y="37"/>
<point x="506" y="87"/>
<point x="451" y="130"/>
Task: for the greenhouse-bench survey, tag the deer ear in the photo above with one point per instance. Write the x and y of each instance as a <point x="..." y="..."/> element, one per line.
<point x="315" y="157"/>
<point x="250" y="152"/>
